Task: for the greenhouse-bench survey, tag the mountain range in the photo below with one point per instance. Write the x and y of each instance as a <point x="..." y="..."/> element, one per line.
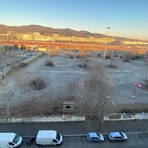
<point x="4" y="29"/>
<point x="47" y="31"/>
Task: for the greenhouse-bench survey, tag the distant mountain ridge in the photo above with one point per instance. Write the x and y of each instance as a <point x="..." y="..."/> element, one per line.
<point x="67" y="32"/>
<point x="47" y="31"/>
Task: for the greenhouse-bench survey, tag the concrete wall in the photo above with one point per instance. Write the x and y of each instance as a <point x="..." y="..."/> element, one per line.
<point x="124" y="116"/>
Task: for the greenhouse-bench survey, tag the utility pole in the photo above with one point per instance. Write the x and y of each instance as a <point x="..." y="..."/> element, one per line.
<point x="106" y="41"/>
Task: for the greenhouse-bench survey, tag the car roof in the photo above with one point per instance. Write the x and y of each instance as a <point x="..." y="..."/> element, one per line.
<point x="7" y="136"/>
<point x="93" y="134"/>
<point x="115" y="134"/>
<point x="46" y="134"/>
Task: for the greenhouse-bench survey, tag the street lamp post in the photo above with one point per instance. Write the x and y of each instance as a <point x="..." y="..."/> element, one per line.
<point x="106" y="41"/>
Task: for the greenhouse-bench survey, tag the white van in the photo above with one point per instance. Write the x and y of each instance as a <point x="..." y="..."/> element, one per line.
<point x="48" y="137"/>
<point x="10" y="140"/>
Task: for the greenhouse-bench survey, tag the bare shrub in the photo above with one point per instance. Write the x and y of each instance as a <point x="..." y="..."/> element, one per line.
<point x="145" y="85"/>
<point x="88" y="60"/>
<point x="107" y="56"/>
<point x="26" y="107"/>
<point x="49" y="63"/>
<point x="116" y="55"/>
<point x="136" y="56"/>
<point x="71" y="56"/>
<point x="133" y="57"/>
<point x="99" y="55"/>
<point x="112" y="64"/>
<point x="139" y="56"/>
<point x="78" y="56"/>
<point x="38" y="83"/>
<point x="33" y="106"/>
<point x="120" y="56"/>
<point x="130" y="55"/>
<point x="82" y="65"/>
<point x="132" y="108"/>
<point x="8" y="88"/>
<point x="127" y="58"/>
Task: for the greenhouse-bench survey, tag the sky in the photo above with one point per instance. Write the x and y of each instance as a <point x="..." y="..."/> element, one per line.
<point x="127" y="18"/>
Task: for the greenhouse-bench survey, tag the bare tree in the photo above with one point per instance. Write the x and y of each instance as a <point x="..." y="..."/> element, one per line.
<point x="7" y="85"/>
<point x="5" y="97"/>
<point x="7" y="94"/>
<point x="93" y="95"/>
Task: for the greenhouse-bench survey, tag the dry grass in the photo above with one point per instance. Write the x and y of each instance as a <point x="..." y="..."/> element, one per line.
<point x="35" y="107"/>
<point x="132" y="108"/>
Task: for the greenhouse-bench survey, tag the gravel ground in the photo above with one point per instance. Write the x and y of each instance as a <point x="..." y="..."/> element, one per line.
<point x="123" y="78"/>
<point x="66" y="72"/>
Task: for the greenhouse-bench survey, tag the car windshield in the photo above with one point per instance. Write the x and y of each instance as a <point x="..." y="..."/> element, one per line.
<point x="98" y="135"/>
<point x="58" y="136"/>
<point x="16" y="139"/>
<point x="121" y="134"/>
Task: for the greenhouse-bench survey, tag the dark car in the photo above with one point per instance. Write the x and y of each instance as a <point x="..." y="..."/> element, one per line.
<point x="117" y="137"/>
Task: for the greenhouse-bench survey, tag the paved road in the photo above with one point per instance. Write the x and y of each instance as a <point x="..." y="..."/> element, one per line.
<point x="71" y="129"/>
<point x="79" y="127"/>
<point x="135" y="141"/>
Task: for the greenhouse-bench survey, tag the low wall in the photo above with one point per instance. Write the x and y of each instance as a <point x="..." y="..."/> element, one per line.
<point x="30" y="60"/>
<point x="125" y="116"/>
<point x="61" y="118"/>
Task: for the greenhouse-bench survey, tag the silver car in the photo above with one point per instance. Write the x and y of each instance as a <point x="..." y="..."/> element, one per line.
<point x="117" y="137"/>
<point x="95" y="137"/>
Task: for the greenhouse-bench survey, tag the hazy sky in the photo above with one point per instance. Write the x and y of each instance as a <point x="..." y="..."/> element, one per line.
<point x="127" y="18"/>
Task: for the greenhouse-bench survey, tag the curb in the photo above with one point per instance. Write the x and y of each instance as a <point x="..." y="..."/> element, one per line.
<point x="105" y="134"/>
<point x="84" y="135"/>
<point x="75" y="135"/>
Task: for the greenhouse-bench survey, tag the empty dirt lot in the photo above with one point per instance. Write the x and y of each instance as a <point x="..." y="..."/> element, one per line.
<point x="66" y="72"/>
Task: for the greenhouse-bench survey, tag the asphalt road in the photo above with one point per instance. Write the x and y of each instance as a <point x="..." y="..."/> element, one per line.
<point x="76" y="127"/>
<point x="75" y="132"/>
<point x="135" y="141"/>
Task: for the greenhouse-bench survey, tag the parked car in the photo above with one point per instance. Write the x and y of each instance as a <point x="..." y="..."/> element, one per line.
<point x="95" y="137"/>
<point x="117" y="136"/>
<point x="10" y="140"/>
<point x="48" y="137"/>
